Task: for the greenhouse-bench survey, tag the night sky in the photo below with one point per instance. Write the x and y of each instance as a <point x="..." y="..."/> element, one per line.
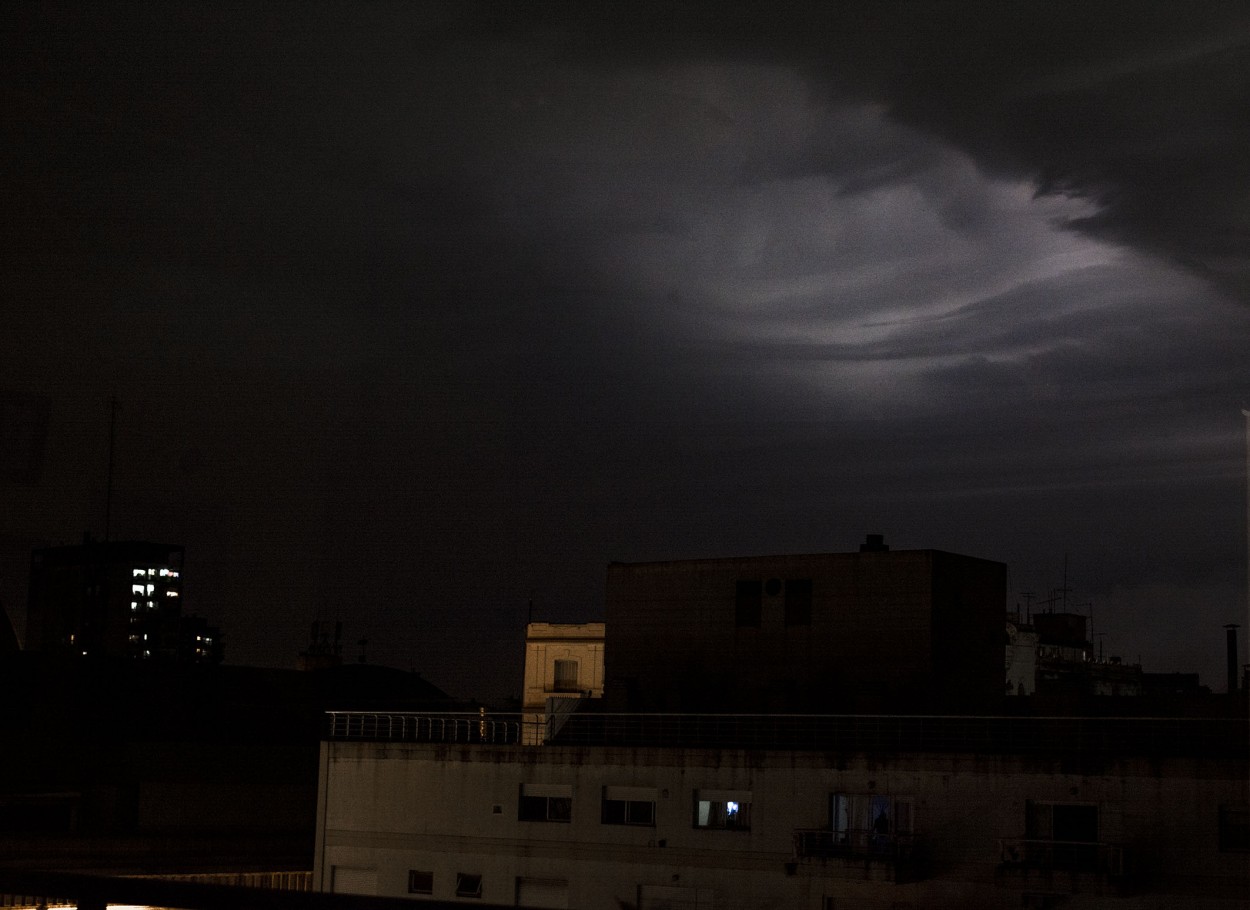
<point x="418" y="313"/>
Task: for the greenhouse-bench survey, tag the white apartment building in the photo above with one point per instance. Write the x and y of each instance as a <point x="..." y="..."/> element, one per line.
<point x="959" y="813"/>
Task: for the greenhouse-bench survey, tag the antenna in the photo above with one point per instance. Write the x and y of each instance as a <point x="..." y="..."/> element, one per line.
<point x="108" y="491"/>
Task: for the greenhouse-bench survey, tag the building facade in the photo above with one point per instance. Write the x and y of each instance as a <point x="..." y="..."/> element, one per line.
<point x="876" y="630"/>
<point x="974" y="820"/>
<point x="115" y="599"/>
<point x="563" y="665"/>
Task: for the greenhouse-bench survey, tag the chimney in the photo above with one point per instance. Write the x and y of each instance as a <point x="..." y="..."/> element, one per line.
<point x="874" y="543"/>
<point x="1230" y="634"/>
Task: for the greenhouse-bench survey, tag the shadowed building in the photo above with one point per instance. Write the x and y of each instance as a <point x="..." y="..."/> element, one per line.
<point x="117" y="599"/>
<point x="909" y="630"/>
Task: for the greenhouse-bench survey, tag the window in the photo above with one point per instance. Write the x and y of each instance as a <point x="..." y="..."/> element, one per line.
<point x="798" y="601"/>
<point x="546" y="803"/>
<point x="468" y="885"/>
<point x="1234" y="829"/>
<point x="629" y="806"/>
<point x="1061" y="835"/>
<point x="747" y="603"/>
<point x="420" y="882"/>
<point x="673" y="897"/>
<point x="866" y="823"/>
<point x="728" y="810"/>
<point x="566" y="676"/>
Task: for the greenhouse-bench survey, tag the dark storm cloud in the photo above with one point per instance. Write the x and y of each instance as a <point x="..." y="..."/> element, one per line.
<point x="432" y="309"/>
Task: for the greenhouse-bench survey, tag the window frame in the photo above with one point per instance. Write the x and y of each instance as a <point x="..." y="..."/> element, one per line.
<point x="463" y="878"/>
<point x="412" y="882"/>
<point x="545" y="803"/>
<point x="564" y="685"/>
<point x="723" y="820"/>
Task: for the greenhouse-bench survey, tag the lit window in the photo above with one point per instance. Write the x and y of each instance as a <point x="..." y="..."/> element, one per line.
<point x="136" y="589"/>
<point x="545" y="803"/>
<point x="420" y="882"/>
<point x="151" y="605"/>
<point x="151" y="588"/>
<point x="719" y="809"/>
<point x="134" y="605"/>
<point x="468" y="885"/>
<point x="171" y="593"/>
<point x="138" y="572"/>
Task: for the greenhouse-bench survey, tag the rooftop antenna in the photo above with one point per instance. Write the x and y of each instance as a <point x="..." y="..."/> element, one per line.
<point x="108" y="491"/>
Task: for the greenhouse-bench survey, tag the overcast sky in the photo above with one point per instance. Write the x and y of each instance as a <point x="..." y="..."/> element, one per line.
<point x="418" y="313"/>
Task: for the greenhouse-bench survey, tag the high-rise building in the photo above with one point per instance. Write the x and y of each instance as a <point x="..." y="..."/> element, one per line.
<point x="114" y="598"/>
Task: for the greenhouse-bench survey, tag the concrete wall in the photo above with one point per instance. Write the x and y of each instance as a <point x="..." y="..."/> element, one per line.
<point x="914" y="628"/>
<point x="386" y="809"/>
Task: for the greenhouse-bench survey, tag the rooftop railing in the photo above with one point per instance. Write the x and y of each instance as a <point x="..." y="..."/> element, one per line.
<point x="886" y="734"/>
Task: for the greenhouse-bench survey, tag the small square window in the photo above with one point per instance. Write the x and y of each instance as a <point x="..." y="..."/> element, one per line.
<point x="468" y="885"/>
<point x="420" y="882"/>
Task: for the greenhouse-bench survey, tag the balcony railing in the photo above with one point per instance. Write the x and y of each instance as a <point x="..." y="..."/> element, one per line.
<point x="853" y="843"/>
<point x="500" y="729"/>
<point x="1048" y="855"/>
<point x="887" y="734"/>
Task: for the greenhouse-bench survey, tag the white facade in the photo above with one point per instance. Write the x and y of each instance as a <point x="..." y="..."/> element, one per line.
<point x="1021" y="659"/>
<point x="598" y="828"/>
<point x="563" y="664"/>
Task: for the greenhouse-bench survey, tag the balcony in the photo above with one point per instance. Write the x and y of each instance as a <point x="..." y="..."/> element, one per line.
<point x="1089" y="858"/>
<point x="889" y="857"/>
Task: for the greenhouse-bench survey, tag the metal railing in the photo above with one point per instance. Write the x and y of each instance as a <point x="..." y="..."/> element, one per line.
<point x="501" y="729"/>
<point x="1062" y="855"/>
<point x="1108" y="737"/>
<point x="853" y="843"/>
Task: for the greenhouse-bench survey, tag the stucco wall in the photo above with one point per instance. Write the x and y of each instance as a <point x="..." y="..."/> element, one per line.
<point x="394" y="808"/>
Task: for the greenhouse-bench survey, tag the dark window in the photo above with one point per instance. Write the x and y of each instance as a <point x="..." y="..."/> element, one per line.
<point x="747" y="606"/>
<point x="468" y="885"/>
<point x="729" y="814"/>
<point x="629" y="812"/>
<point x="1235" y="829"/>
<point x="545" y="808"/>
<point x="420" y="882"/>
<point x="772" y="587"/>
<point x="798" y="602"/>
<point x="1062" y="836"/>
<point x="566" y="676"/>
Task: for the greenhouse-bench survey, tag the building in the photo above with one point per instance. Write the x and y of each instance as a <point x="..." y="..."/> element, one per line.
<point x="824" y="814"/>
<point x="877" y="630"/>
<point x="563" y="666"/>
<point x="734" y="777"/>
<point x="115" y="599"/>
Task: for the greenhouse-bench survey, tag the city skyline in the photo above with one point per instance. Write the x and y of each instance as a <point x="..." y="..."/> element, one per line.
<point x="419" y="315"/>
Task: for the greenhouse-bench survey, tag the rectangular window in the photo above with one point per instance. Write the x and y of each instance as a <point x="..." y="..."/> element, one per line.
<point x="566" y="676"/>
<point x="1234" y="829"/>
<point x="546" y="803"/>
<point x="798" y="601"/>
<point x="468" y="885"/>
<point x="673" y="897"/>
<point x="724" y="809"/>
<point x="420" y="882"/>
<point x="629" y="806"/>
<point x="1062" y="836"/>
<point x="868" y="823"/>
<point x="747" y="604"/>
